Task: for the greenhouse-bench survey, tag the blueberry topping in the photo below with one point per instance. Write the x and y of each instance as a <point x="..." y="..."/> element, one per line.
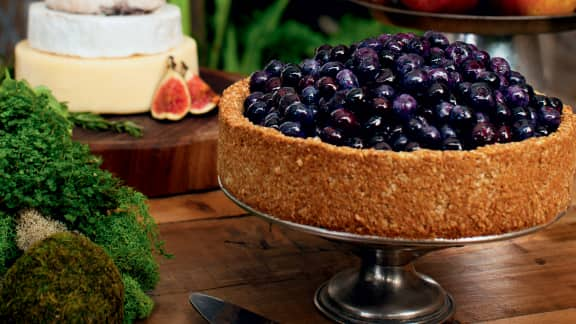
<point x="401" y="92"/>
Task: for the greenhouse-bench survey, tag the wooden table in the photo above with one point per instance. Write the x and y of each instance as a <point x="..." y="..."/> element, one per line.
<point x="222" y="251"/>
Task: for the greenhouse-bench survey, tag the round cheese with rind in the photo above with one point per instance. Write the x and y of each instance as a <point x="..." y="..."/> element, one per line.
<point x="94" y="36"/>
<point x="105" y="6"/>
<point x="103" y="85"/>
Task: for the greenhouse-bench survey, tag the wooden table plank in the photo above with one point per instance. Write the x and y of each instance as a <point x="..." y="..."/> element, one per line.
<point x="275" y="271"/>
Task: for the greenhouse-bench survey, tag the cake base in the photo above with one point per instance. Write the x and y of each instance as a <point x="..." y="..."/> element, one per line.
<point x="171" y="157"/>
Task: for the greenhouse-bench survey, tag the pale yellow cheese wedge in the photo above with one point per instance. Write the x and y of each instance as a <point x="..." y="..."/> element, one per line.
<point x="104" y="86"/>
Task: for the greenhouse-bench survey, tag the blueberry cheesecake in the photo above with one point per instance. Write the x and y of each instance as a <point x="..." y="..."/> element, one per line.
<point x="401" y="136"/>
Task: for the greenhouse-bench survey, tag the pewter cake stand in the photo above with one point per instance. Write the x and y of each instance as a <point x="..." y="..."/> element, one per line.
<point x="386" y="288"/>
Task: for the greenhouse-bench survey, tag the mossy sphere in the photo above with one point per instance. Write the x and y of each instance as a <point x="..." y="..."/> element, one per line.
<point x="63" y="279"/>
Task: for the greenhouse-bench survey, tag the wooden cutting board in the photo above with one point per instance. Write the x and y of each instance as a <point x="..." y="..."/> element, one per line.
<point x="172" y="157"/>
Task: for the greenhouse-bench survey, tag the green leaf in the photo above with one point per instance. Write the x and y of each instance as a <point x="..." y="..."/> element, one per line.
<point x="185" y="11"/>
<point x="220" y="22"/>
<point x="230" y="51"/>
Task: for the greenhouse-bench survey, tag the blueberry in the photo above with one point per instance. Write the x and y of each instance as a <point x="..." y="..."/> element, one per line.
<point x="322" y="54"/>
<point x="452" y="144"/>
<point x="418" y="46"/>
<point x="301" y="113"/>
<point x="541" y="130"/>
<point x="500" y="66"/>
<point x="310" y="67"/>
<point x="489" y="77"/>
<point x="347" y="79"/>
<point x="483" y="133"/>
<point x="549" y="117"/>
<point x="382" y="146"/>
<point x="385" y="76"/>
<point x="516" y="78"/>
<point x="367" y="70"/>
<point x="471" y="69"/>
<point x="517" y="96"/>
<point x="436" y="57"/>
<point x="555" y="103"/>
<point x="430" y="137"/>
<point x="272" y="84"/>
<point x="395" y="46"/>
<point x="380" y="106"/>
<point x="258" y="81"/>
<point x="281" y="92"/>
<point x="332" y="135"/>
<point x="438" y="75"/>
<point x="499" y="97"/>
<point x="372" y="43"/>
<point x="306" y="80"/>
<point x="384" y="91"/>
<point x="415" y="81"/>
<point x="375" y="139"/>
<point x="256" y="112"/>
<point x="438" y="92"/>
<point x="502" y="114"/>
<point x="345" y="120"/>
<point x="387" y="58"/>
<point x="290" y="75"/>
<point x="462" y="117"/>
<point x="408" y="62"/>
<point x="519" y="113"/>
<point x="326" y="87"/>
<point x="274" y="68"/>
<point x="272" y="120"/>
<point x="404" y="106"/>
<point x="463" y="90"/>
<point x="436" y="39"/>
<point x="331" y="69"/>
<point x="503" y="134"/>
<point x="286" y="101"/>
<point x="355" y="99"/>
<point x="521" y="130"/>
<point x="447" y="132"/>
<point x="253" y="97"/>
<point x="354" y="142"/>
<point x="339" y="53"/>
<point x="454" y="79"/>
<point x="415" y="126"/>
<point x="538" y="101"/>
<point x="458" y="51"/>
<point x="480" y="96"/>
<point x="399" y="142"/>
<point x="373" y="125"/>
<point x="412" y="146"/>
<point x="291" y="128"/>
<point x="481" y="117"/>
<point x="310" y="95"/>
<point x="482" y="56"/>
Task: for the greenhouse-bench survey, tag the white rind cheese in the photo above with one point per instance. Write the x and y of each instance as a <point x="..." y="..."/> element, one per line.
<point x="93" y="36"/>
<point x="104" y="6"/>
<point x="103" y="86"/>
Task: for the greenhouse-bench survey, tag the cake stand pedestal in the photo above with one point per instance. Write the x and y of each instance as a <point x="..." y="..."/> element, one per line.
<point x="386" y="288"/>
<point x="516" y="38"/>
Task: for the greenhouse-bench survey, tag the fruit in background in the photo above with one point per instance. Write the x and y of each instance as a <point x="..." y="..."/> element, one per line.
<point x="533" y="7"/>
<point x="441" y="6"/>
<point x="172" y="99"/>
<point x="202" y="98"/>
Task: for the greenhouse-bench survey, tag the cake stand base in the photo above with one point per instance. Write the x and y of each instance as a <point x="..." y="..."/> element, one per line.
<point x="385" y="289"/>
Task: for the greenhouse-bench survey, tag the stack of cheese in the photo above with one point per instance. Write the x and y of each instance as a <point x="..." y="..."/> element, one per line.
<point x="102" y="56"/>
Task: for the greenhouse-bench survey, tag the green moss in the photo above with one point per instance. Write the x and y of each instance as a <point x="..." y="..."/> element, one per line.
<point x="137" y="305"/>
<point x="8" y="249"/>
<point x="126" y="242"/>
<point x="63" y="279"/>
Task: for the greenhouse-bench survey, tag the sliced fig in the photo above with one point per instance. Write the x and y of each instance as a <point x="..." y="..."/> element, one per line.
<point x="203" y="98"/>
<point x="172" y="98"/>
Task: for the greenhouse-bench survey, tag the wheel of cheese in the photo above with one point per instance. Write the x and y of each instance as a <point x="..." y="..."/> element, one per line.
<point x="103" y="85"/>
<point x="105" y="6"/>
<point x="94" y="36"/>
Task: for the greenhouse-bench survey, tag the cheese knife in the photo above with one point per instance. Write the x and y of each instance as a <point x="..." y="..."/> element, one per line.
<point x="217" y="311"/>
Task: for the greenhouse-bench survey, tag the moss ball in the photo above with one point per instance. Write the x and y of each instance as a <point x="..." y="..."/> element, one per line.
<point x="63" y="279"/>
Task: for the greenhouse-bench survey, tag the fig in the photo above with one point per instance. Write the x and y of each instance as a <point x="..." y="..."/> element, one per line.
<point x="172" y="98"/>
<point x="203" y="98"/>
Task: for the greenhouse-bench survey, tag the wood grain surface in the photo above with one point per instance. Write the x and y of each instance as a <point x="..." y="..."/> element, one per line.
<point x="171" y="157"/>
<point x="243" y="259"/>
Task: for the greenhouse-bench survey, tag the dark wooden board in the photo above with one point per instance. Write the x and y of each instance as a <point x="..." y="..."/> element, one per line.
<point x="171" y="157"/>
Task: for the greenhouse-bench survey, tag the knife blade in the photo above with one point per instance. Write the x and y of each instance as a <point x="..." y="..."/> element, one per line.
<point x="217" y="311"/>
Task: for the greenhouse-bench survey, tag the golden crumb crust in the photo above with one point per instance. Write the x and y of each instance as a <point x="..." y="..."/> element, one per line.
<point x="414" y="195"/>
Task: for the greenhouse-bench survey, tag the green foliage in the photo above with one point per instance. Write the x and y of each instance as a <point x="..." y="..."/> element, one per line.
<point x="41" y="167"/>
<point x="63" y="279"/>
<point x="185" y="12"/>
<point x="8" y="249"/>
<point x="129" y="248"/>
<point x="266" y="35"/>
<point x="137" y="305"/>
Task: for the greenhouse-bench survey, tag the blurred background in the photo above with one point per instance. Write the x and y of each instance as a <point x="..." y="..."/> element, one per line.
<point x="241" y="36"/>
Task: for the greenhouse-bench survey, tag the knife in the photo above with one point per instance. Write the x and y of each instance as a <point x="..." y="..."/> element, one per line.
<point x="217" y="311"/>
